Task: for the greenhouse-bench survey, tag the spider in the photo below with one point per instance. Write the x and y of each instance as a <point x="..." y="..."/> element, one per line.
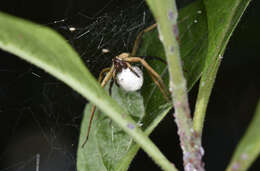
<point x="128" y="77"/>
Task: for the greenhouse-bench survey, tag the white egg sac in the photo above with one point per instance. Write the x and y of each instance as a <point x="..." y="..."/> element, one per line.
<point x="128" y="80"/>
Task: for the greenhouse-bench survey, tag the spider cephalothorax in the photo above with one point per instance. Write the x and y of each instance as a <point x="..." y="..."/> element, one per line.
<point x="127" y="76"/>
<point x="120" y="64"/>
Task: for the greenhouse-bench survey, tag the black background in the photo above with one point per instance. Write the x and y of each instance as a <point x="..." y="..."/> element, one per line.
<point x="33" y="123"/>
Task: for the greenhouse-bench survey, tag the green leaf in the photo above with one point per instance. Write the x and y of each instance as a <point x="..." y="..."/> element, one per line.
<point x="151" y="103"/>
<point x="248" y="148"/>
<point x="222" y="16"/>
<point x="107" y="141"/>
<point x="45" y="48"/>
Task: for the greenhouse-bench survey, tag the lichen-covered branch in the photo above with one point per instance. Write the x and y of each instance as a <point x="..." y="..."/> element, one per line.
<point x="166" y="14"/>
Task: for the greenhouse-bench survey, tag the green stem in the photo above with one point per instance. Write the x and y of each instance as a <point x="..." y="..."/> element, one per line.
<point x="166" y="16"/>
<point x="206" y="84"/>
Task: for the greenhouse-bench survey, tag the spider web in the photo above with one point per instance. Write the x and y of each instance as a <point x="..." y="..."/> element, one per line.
<point x="114" y="31"/>
<point x="41" y="116"/>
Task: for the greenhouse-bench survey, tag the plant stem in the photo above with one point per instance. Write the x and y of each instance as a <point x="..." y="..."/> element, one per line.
<point x="166" y="16"/>
<point x="206" y="84"/>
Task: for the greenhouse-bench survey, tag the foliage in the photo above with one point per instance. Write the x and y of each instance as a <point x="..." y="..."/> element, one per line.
<point x="204" y="30"/>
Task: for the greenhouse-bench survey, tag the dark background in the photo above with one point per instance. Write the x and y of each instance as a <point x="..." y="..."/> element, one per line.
<point x="40" y="116"/>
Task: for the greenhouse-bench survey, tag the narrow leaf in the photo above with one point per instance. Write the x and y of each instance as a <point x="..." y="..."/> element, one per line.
<point x="222" y="18"/>
<point x="248" y="148"/>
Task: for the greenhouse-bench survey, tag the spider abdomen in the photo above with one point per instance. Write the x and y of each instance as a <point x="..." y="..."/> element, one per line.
<point x="128" y="80"/>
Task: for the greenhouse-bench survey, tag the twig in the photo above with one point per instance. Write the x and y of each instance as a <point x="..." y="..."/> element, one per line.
<point x="166" y="13"/>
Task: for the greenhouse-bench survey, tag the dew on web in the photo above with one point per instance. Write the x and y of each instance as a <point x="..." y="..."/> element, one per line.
<point x="199" y="12"/>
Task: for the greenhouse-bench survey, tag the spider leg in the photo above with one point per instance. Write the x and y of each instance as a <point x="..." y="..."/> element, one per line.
<point x="161" y="87"/>
<point x="131" y="68"/>
<point x="110" y="86"/>
<point x="103" y="82"/>
<point x="154" y="75"/>
<point x="153" y="58"/>
<point x="138" y="38"/>
<point x="101" y="74"/>
<point x="108" y="76"/>
<point x="114" y="78"/>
